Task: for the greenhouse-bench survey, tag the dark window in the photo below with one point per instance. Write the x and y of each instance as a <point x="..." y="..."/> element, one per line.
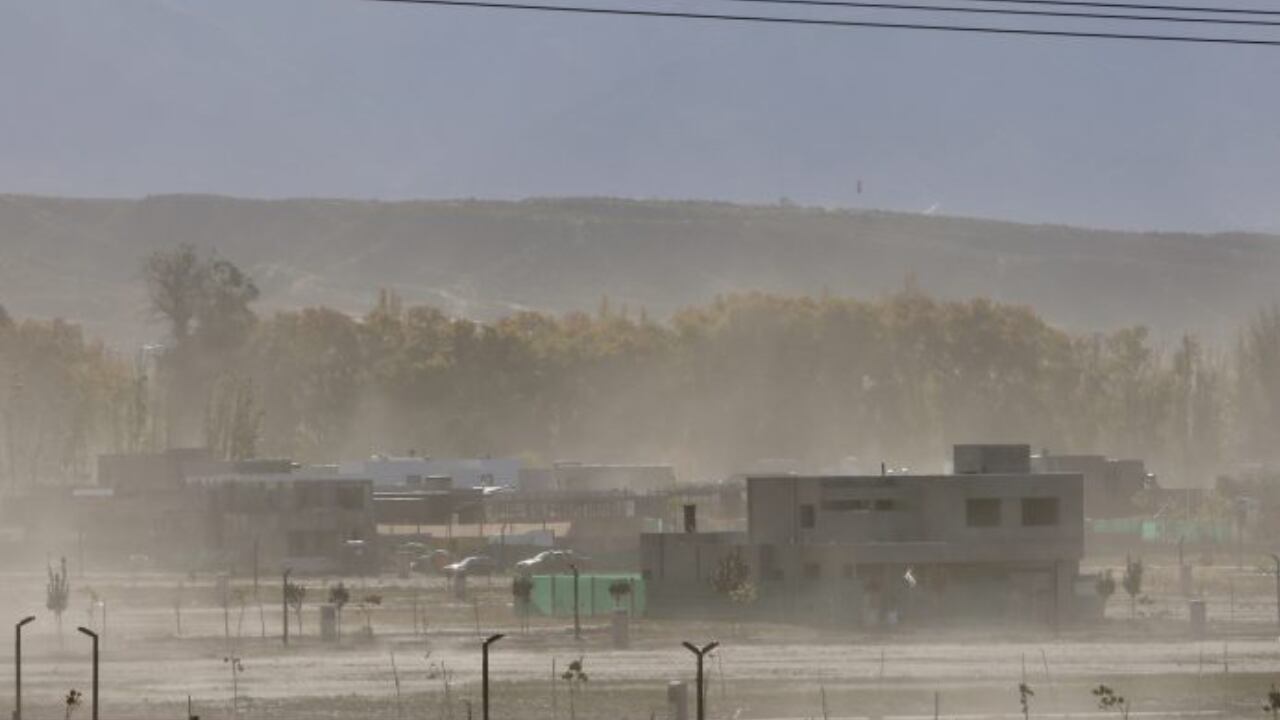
<point x="309" y="495"/>
<point x="1039" y="512"/>
<point x="812" y="571"/>
<point x="808" y="518"/>
<point x="297" y="544"/>
<point x="845" y="505"/>
<point x="982" y="512"/>
<point x="884" y="505"/>
<point x="351" y="498"/>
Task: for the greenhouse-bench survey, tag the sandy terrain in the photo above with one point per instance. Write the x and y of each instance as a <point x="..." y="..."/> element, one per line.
<point x="148" y="671"/>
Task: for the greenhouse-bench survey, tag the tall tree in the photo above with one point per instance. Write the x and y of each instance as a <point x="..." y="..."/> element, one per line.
<point x="175" y="282"/>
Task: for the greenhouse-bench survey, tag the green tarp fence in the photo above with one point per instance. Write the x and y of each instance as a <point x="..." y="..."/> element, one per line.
<point x="553" y="594"/>
<point x="1163" y="530"/>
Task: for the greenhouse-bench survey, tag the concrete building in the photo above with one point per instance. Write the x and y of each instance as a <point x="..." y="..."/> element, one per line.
<point x="311" y="520"/>
<point x="134" y="473"/>
<point x="994" y="540"/>
<point x="1110" y="485"/>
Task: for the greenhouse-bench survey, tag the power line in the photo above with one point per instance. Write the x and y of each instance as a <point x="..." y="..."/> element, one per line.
<point x="674" y="15"/>
<point x="999" y="11"/>
<point x="1135" y="6"/>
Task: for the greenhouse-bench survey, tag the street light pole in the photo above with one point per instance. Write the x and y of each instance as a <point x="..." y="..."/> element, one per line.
<point x="284" y="604"/>
<point x="577" y="621"/>
<point x="484" y="672"/>
<point x="93" y="635"/>
<point x="17" y="666"/>
<point x="1276" y="558"/>
<point x="701" y="652"/>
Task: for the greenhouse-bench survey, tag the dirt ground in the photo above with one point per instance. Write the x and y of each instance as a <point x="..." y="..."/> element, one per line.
<point x="431" y="669"/>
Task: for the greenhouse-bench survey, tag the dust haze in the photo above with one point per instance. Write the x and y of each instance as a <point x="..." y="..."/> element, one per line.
<point x="836" y="428"/>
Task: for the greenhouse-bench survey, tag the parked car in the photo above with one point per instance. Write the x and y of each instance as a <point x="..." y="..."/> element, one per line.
<point x="550" y="562"/>
<point x="470" y="566"/>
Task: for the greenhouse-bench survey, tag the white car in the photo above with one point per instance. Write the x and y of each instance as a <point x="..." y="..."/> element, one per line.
<point x="469" y="566"/>
<point x="551" y="561"/>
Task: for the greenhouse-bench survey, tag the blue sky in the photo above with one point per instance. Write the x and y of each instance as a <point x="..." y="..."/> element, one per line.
<point x="344" y="98"/>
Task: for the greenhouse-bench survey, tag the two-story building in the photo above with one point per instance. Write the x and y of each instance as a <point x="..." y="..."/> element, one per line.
<point x="992" y="540"/>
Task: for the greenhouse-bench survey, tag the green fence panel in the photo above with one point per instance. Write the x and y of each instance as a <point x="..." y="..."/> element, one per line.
<point x="553" y="594"/>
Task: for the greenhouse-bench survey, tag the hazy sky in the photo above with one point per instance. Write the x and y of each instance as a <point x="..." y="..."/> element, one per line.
<point x="355" y="99"/>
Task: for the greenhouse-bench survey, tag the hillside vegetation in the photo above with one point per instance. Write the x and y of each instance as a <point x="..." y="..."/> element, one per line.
<point x="79" y="259"/>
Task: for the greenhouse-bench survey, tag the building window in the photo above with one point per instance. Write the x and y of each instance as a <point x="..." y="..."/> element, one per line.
<point x="1039" y="512"/>
<point x="812" y="571"/>
<point x="848" y="571"/>
<point x="808" y="518"/>
<point x="982" y="512"/>
<point x="845" y="505"/>
<point x="297" y="544"/>
<point x="884" y="505"/>
<point x="351" y="498"/>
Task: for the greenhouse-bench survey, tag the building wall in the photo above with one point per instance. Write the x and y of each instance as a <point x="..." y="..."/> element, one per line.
<point x="298" y="522"/>
<point x="880" y="550"/>
<point x="907" y="509"/>
<point x="1109" y="485"/>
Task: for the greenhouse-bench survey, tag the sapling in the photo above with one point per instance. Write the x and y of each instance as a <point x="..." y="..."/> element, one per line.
<point x="576" y="676"/>
<point x="522" y="591"/>
<point x="1132" y="582"/>
<point x="339" y="596"/>
<point x="367" y="605"/>
<point x="71" y="703"/>
<point x="237" y="667"/>
<point x="1105" y="587"/>
<point x="1108" y="700"/>
<point x="295" y="594"/>
<point x="58" y="593"/>
<point x="1273" y="703"/>
<point x="619" y="589"/>
<point x="1025" y="693"/>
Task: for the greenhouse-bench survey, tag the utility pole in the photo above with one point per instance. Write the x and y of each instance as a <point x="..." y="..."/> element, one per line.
<point x="484" y="671"/>
<point x="17" y="666"/>
<point x="1276" y="558"/>
<point x="700" y="653"/>
<point x="577" y="621"/>
<point x="93" y="635"/>
<point x="284" y="603"/>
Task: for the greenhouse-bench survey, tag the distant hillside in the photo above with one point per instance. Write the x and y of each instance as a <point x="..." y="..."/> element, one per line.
<point x="79" y="258"/>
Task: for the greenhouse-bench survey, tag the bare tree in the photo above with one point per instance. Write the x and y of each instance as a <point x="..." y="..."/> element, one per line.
<point x="1132" y="583"/>
<point x="58" y="592"/>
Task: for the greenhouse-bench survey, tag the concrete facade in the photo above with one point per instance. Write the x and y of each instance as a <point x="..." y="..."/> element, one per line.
<point x="1110" y="485"/>
<point x="309" y="522"/>
<point x="880" y="550"/>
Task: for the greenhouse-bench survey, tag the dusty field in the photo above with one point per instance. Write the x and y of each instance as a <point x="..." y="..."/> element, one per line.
<point x="148" y="671"/>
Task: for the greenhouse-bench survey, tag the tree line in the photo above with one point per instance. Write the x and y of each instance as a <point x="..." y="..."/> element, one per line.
<point x="739" y="383"/>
